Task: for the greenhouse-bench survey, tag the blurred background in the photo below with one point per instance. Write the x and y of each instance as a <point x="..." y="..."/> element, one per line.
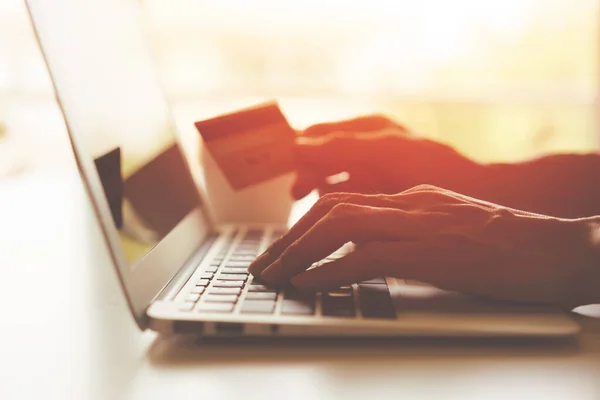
<point x="499" y="79"/>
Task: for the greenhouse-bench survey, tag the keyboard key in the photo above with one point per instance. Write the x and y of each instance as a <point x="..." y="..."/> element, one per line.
<point x="297" y="307"/>
<point x="295" y="294"/>
<point x="186" y="307"/>
<point x="207" y="275"/>
<point x="232" y="277"/>
<point x="338" y="306"/>
<point x="375" y="301"/>
<point x="192" y="297"/>
<point x="261" y="296"/>
<point x="249" y="242"/>
<point x="247" y="248"/>
<point x="237" y="264"/>
<point x="198" y="289"/>
<point x="221" y="298"/>
<point x="380" y="280"/>
<point x="371" y="290"/>
<point x="342" y="292"/>
<point x="225" y="290"/>
<point x="254" y="233"/>
<point x="260" y="288"/>
<point x="211" y="269"/>
<point x="258" y="307"/>
<point x="215" y="263"/>
<point x="227" y="270"/>
<point x="216" y="307"/>
<point x="224" y="283"/>
<point x="203" y="282"/>
<point x="242" y="257"/>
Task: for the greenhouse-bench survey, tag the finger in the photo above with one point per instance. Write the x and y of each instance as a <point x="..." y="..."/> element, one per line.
<point x="343" y="151"/>
<point x="344" y="223"/>
<point x="427" y="222"/>
<point x="316" y="212"/>
<point x="359" y="224"/>
<point x="359" y="124"/>
<point x="354" y="267"/>
<point x="321" y="208"/>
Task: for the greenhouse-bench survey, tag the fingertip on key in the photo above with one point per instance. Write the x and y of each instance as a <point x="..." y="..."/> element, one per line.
<point x="272" y="274"/>
<point x="259" y="264"/>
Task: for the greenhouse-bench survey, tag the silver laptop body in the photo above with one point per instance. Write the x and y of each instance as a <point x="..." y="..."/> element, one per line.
<point x="170" y="258"/>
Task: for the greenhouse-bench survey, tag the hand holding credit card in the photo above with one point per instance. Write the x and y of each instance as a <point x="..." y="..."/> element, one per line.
<point x="250" y="145"/>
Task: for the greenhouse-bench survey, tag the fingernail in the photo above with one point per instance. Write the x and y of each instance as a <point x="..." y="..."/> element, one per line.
<point x="272" y="273"/>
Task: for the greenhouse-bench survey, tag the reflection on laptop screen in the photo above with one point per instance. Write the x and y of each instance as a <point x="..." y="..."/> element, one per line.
<point x="106" y="83"/>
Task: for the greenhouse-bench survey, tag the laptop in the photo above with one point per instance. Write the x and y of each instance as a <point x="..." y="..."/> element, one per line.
<point x="179" y="271"/>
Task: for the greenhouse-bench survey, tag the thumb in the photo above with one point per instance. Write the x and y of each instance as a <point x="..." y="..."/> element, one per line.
<point x="420" y="260"/>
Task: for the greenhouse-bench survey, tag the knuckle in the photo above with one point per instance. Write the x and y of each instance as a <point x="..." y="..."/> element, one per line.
<point x="349" y="221"/>
<point x="427" y="196"/>
<point x="425" y="187"/>
<point x="497" y="222"/>
<point x="422" y="188"/>
<point x="343" y="215"/>
<point x="327" y="201"/>
<point x="341" y="210"/>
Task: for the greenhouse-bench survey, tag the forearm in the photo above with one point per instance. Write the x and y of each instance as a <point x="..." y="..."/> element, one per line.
<point x="566" y="186"/>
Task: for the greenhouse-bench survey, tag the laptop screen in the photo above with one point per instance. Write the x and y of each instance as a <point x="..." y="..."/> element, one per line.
<point x="104" y="76"/>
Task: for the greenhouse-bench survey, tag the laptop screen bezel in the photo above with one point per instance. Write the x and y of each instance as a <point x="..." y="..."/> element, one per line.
<point x="142" y="282"/>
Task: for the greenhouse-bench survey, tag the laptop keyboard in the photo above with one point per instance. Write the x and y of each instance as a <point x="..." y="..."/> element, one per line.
<point x="227" y="287"/>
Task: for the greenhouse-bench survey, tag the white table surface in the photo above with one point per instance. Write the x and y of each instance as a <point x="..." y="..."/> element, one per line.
<point x="66" y="333"/>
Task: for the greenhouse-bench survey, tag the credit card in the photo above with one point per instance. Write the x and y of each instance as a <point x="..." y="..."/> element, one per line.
<point x="250" y="145"/>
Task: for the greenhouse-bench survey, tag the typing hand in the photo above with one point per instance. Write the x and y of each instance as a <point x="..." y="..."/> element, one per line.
<point x="379" y="156"/>
<point x="443" y="238"/>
